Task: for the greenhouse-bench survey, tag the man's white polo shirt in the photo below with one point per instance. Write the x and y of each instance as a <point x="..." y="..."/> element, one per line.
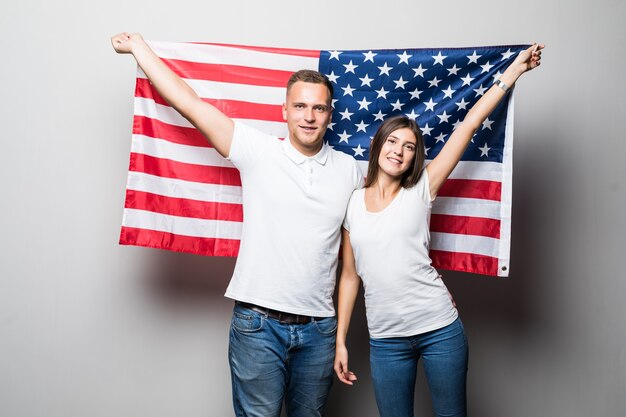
<point x="293" y="209"/>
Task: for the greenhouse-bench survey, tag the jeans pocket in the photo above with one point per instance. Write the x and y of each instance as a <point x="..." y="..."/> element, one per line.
<point x="247" y="323"/>
<point x="326" y="326"/>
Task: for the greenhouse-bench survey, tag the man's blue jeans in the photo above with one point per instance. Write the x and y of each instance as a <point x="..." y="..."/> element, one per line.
<point x="272" y="362"/>
<point x="394" y="367"/>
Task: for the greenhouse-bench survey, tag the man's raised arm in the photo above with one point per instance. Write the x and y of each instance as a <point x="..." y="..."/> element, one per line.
<point x="212" y="123"/>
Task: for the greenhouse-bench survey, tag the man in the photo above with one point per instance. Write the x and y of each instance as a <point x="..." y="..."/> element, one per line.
<point x="295" y="192"/>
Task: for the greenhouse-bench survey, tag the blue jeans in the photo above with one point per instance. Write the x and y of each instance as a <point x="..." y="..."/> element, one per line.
<point x="271" y="362"/>
<point x="394" y="367"/>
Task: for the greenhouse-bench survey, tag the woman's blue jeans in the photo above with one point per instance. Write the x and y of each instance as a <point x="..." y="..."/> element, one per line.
<point x="272" y="362"/>
<point x="394" y="368"/>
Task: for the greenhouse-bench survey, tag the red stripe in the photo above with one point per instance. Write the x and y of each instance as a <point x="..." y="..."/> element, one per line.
<point x="183" y="207"/>
<point x="231" y="108"/>
<point x="184" y="171"/>
<point x="484" y="190"/>
<point x="282" y="51"/>
<point x="467" y="262"/>
<point x="157" y="129"/>
<point x="179" y="243"/>
<point x="236" y="74"/>
<point x="465" y="225"/>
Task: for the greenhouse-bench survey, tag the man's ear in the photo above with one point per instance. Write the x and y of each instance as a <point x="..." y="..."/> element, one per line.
<point x="285" y="111"/>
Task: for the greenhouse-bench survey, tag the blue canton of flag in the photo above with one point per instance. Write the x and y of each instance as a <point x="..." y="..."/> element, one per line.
<point x="435" y="87"/>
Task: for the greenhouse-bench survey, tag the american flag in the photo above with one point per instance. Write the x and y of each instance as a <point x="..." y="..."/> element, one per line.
<point x="183" y="196"/>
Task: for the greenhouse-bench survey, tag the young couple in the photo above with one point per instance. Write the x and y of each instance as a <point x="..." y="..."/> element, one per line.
<point x="282" y="339"/>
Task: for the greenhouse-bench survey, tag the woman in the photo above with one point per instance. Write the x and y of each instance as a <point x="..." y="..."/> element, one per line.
<point x="410" y="312"/>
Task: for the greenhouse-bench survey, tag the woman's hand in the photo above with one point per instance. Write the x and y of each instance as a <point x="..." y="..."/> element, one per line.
<point x="528" y="59"/>
<point x="341" y="366"/>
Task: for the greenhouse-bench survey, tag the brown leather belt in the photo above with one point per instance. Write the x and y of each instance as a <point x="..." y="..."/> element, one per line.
<point x="285" y="318"/>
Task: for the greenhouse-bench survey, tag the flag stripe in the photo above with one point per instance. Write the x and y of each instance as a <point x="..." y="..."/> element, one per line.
<point x="479" y="245"/>
<point x="465" y="225"/>
<point x="155" y="128"/>
<point x="231" y="108"/>
<point x="179" y="225"/>
<point x="166" y="114"/>
<point x="182" y="207"/>
<point x="467" y="262"/>
<point x="178" y="243"/>
<point x="236" y="74"/>
<point x="160" y="148"/>
<point x="188" y="172"/>
<point x="268" y="58"/>
<point x="485" y="190"/>
<point x="177" y="188"/>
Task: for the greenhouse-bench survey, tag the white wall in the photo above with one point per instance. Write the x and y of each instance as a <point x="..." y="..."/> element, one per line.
<point x="89" y="328"/>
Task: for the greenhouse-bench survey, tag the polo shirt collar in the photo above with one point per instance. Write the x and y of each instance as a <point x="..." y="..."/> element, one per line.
<point x="299" y="158"/>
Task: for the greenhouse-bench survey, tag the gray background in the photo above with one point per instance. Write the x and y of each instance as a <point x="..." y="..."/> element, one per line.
<point x="90" y="328"/>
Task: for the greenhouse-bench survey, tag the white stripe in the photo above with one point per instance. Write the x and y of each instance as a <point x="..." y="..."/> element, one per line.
<point x="479" y="245"/>
<point x="160" y="148"/>
<point x="182" y="225"/>
<point x="473" y="170"/>
<point x="231" y="91"/>
<point x="229" y="55"/>
<point x="170" y="187"/>
<point x="472" y="207"/>
<point x="149" y="108"/>
<point x="506" y="195"/>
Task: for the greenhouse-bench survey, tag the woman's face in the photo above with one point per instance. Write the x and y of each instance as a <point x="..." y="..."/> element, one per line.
<point x="398" y="152"/>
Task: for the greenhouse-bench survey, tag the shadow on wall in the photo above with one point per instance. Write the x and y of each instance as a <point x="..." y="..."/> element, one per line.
<point x="192" y="280"/>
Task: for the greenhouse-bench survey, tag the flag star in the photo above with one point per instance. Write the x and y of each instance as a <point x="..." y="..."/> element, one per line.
<point x="363" y="104"/>
<point x="448" y="92"/>
<point x="467" y="80"/>
<point x="381" y="93"/>
<point x="397" y="105"/>
<point x="419" y="71"/>
<point x="330" y="125"/>
<point x="369" y="56"/>
<point x="456" y="124"/>
<point x="484" y="150"/>
<point x="350" y="67"/>
<point x="434" y="82"/>
<point x="384" y="69"/>
<point x="480" y="90"/>
<point x="346" y="114"/>
<point x="462" y="104"/>
<point x="443" y="117"/>
<point x="400" y="83"/>
<point x="496" y="76"/>
<point x="404" y="58"/>
<point x="366" y="80"/>
<point x="347" y="90"/>
<point x="426" y="151"/>
<point x="508" y="54"/>
<point x="439" y="58"/>
<point x="486" y="67"/>
<point x="343" y="137"/>
<point x="453" y="70"/>
<point x="441" y="138"/>
<point x="358" y="150"/>
<point x="430" y="104"/>
<point x="412" y="115"/>
<point x="334" y="55"/>
<point x="473" y="58"/>
<point x="332" y="77"/>
<point x="416" y="93"/>
<point x="426" y="130"/>
<point x="361" y="126"/>
<point x="379" y="116"/>
<point x="333" y="102"/>
<point x="487" y="123"/>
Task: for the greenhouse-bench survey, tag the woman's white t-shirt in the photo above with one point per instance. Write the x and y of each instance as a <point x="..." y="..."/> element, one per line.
<point x="404" y="294"/>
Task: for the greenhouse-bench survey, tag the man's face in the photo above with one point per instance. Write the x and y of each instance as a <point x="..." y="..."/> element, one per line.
<point x="307" y="112"/>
